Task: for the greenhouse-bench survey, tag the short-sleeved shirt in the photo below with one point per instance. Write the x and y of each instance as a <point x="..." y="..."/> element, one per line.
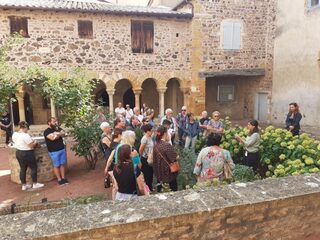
<point x="55" y="145"/>
<point x="204" y="121"/>
<point x="21" y="141"/>
<point x="120" y="112"/>
<point x="215" y="124"/>
<point x="147" y="141"/>
<point x="126" y="178"/>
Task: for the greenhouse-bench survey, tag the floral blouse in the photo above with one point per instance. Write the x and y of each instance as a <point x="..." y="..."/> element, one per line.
<point x="210" y="163"/>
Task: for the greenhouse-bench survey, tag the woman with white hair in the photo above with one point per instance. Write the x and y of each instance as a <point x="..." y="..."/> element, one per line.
<point x="215" y="125"/>
<point x="106" y="138"/>
<point x="173" y="126"/>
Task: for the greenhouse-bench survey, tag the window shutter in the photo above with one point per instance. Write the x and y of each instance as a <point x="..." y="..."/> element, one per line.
<point x="236" y="41"/>
<point x="136" y="36"/>
<point x="85" y="29"/>
<point x="227" y="35"/>
<point x="148" y="37"/>
<point x="19" y="25"/>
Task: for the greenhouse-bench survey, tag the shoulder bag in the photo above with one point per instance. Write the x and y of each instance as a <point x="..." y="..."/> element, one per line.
<point x="174" y="167"/>
<point x="227" y="172"/>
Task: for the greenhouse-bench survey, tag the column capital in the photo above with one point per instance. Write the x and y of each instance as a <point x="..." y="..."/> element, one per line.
<point x="137" y="91"/>
<point x="162" y="89"/>
<point x="110" y="91"/>
<point x="185" y="90"/>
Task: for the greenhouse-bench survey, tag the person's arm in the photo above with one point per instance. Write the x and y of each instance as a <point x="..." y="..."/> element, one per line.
<point x="2" y="125"/>
<point x="198" y="165"/>
<point x="297" y="118"/>
<point x="61" y="133"/>
<point x="229" y="159"/>
<point x="109" y="161"/>
<point x="141" y="149"/>
<point x="251" y="140"/>
<point x="141" y="183"/>
<point x="30" y="142"/>
<point x="287" y="121"/>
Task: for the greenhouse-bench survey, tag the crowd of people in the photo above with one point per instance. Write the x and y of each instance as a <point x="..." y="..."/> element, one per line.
<point x="133" y="172"/>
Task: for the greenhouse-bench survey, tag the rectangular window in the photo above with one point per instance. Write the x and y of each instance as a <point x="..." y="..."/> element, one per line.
<point x="231" y="35"/>
<point x="225" y="93"/>
<point x="142" y="37"/>
<point x="313" y="3"/>
<point x="85" y="29"/>
<point x="19" y="25"/>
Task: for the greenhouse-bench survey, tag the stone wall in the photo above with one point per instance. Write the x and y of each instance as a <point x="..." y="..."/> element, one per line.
<point x="281" y="209"/>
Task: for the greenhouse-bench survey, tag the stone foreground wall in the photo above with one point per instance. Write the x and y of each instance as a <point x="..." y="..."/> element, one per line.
<point x="287" y="208"/>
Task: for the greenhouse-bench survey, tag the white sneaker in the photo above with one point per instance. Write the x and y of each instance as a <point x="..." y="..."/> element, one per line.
<point x="25" y="187"/>
<point x="37" y="185"/>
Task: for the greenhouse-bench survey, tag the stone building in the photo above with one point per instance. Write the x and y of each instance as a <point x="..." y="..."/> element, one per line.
<point x="214" y="55"/>
<point x="297" y="60"/>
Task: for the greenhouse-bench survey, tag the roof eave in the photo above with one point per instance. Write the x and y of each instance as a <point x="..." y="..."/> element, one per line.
<point x="150" y="14"/>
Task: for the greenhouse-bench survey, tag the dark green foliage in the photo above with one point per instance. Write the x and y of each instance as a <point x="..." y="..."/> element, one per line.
<point x="186" y="178"/>
<point x="242" y="173"/>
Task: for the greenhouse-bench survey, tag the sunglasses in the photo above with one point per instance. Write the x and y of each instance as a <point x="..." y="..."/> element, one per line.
<point x="183" y="110"/>
<point x="216" y="116"/>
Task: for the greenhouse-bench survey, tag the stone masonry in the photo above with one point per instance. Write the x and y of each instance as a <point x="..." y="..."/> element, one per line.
<point x="272" y="209"/>
<point x="183" y="48"/>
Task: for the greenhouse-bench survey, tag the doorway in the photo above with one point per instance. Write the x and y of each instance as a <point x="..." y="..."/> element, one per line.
<point x="262" y="107"/>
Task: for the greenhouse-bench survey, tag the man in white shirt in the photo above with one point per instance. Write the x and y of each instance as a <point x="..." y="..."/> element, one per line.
<point x="120" y="111"/>
<point x="129" y="113"/>
<point x="173" y="126"/>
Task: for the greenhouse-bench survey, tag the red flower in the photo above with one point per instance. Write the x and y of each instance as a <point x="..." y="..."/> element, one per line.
<point x="210" y="154"/>
<point x="210" y="172"/>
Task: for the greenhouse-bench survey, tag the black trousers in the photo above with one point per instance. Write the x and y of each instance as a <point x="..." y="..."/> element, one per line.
<point x="180" y="135"/>
<point x="147" y="172"/>
<point x="27" y="159"/>
<point x="173" y="186"/>
<point x="8" y="133"/>
<point x="252" y="160"/>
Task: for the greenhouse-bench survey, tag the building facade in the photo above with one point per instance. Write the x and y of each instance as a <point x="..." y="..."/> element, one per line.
<point x="297" y="61"/>
<point x="206" y="55"/>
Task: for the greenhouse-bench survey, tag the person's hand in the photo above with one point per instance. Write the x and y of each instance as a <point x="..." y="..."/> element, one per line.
<point x="237" y="137"/>
<point x="291" y="127"/>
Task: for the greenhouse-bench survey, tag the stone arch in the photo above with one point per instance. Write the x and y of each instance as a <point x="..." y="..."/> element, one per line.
<point x="100" y="94"/>
<point x="174" y="98"/>
<point x="111" y="80"/>
<point x="150" y="95"/>
<point x="124" y="92"/>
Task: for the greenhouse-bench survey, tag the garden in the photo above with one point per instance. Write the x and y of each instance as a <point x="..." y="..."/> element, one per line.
<point x="282" y="154"/>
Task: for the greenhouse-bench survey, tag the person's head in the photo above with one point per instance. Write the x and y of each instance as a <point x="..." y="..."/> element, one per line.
<point x="119" y="122"/>
<point x="293" y="107"/>
<point x="127" y="106"/>
<point x="147" y="130"/>
<point x="117" y="134"/>
<point x="128" y="137"/>
<point x="134" y="120"/>
<point x="119" y="104"/>
<point x="204" y="114"/>
<point x="136" y="111"/>
<point x="23" y="126"/>
<point x="166" y="123"/>
<point x="124" y="155"/>
<point x="190" y="116"/>
<point x="145" y="121"/>
<point x="52" y="122"/>
<point x="216" y="116"/>
<point x="150" y="113"/>
<point x="214" y="139"/>
<point x="253" y="126"/>
<point x="169" y="112"/>
<point x="161" y="133"/>
<point x="144" y="105"/>
<point x="184" y="110"/>
<point x="105" y="127"/>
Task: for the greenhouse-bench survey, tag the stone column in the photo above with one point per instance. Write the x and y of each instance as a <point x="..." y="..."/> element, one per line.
<point x="185" y="92"/>
<point x="53" y="108"/>
<point x="22" y="111"/>
<point x="161" y="92"/>
<point x="137" y="93"/>
<point x="110" y="94"/>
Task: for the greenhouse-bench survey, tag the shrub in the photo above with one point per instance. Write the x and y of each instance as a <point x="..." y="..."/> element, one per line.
<point x="242" y="173"/>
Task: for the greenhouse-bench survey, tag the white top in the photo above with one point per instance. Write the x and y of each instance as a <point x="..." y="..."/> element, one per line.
<point x="21" y="141"/>
<point x="129" y="114"/>
<point x="140" y="118"/>
<point x="120" y="112"/>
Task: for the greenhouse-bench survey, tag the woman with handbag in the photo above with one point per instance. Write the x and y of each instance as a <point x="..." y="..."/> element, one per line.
<point x="146" y="153"/>
<point x="130" y="179"/>
<point x="165" y="163"/>
<point x="213" y="162"/>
